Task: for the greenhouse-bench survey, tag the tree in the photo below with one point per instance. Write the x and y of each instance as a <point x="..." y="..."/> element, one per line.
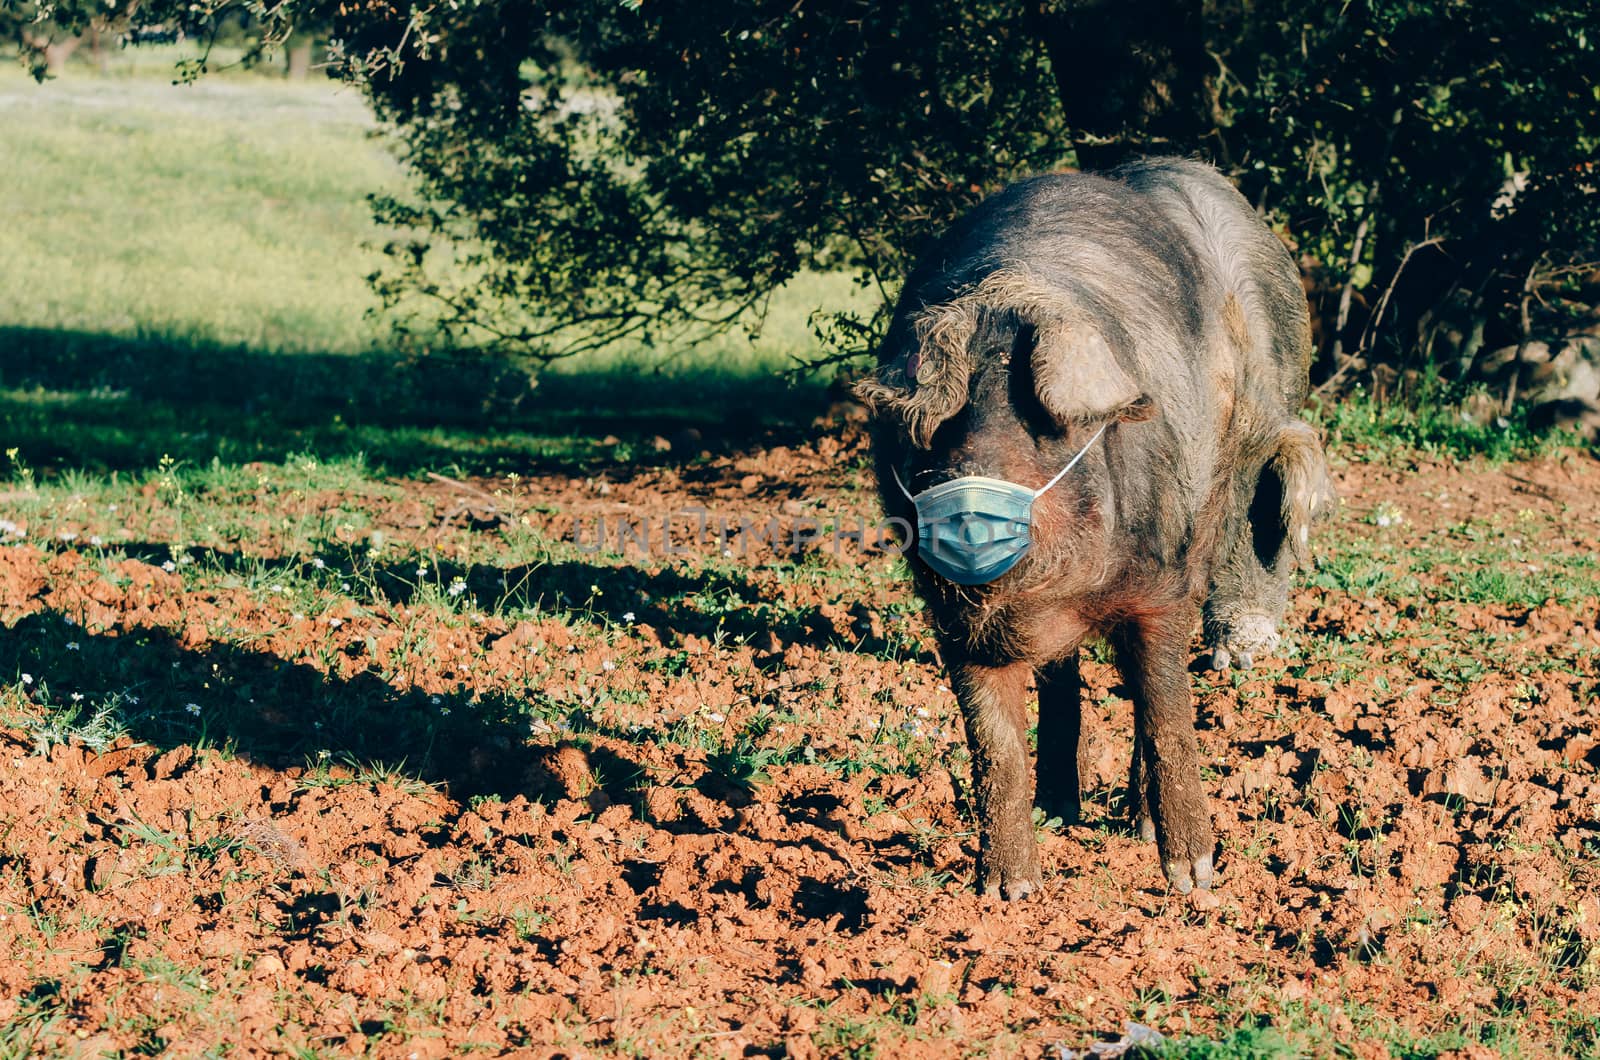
<point x="654" y="169"/>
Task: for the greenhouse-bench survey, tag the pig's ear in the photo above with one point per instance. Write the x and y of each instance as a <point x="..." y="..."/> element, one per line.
<point x="1078" y="379"/>
<point x="926" y="384"/>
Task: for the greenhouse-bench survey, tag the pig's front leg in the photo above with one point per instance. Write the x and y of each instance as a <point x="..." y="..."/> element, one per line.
<point x="995" y="708"/>
<point x="1154" y="652"/>
<point x="1060" y="733"/>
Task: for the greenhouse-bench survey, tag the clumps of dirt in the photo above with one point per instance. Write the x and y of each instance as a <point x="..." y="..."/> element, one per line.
<point x="764" y="847"/>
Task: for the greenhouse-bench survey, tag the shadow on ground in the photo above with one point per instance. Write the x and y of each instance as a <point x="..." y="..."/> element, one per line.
<point x="282" y="714"/>
<point x="105" y="403"/>
<point x="675" y="602"/>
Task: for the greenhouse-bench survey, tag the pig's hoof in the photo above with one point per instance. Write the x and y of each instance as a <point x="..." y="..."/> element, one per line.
<point x="1185" y="876"/>
<point x="1241" y="640"/>
<point x="1012" y="886"/>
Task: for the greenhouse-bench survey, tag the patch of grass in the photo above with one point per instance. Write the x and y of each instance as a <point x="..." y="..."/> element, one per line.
<point x="1244" y="1043"/>
<point x="1434" y="421"/>
<point x="1267" y="1026"/>
<point x="338" y="771"/>
<point x="842" y="1036"/>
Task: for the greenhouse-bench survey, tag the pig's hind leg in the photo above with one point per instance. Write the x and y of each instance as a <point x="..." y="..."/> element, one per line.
<point x="1249" y="589"/>
<point x="1277" y="500"/>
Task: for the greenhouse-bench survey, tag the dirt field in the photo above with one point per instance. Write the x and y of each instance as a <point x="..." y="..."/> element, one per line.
<point x="301" y="759"/>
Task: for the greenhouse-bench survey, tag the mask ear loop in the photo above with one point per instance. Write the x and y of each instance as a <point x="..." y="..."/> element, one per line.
<point x="1041" y="491"/>
<point x="896" y="473"/>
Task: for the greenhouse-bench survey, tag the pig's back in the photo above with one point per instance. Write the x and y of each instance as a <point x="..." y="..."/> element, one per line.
<point x="1245" y="262"/>
<point x="1099" y="240"/>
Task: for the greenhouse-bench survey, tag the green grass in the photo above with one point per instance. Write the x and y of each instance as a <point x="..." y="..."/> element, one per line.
<point x="1432" y="423"/>
<point x="221" y="214"/>
<point x="182" y="271"/>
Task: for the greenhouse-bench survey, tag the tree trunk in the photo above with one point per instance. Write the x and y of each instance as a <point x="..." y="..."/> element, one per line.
<point x="98" y="52"/>
<point x="299" y="57"/>
<point x="56" y="54"/>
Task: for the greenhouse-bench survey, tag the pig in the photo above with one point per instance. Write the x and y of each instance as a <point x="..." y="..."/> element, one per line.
<point x="1139" y="342"/>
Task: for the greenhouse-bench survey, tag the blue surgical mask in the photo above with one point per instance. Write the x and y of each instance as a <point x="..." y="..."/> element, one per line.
<point x="973" y="529"/>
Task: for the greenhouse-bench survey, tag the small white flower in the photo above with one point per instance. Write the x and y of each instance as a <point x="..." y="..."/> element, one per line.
<point x="169" y="566"/>
<point x="716" y="717"/>
<point x="873" y="723"/>
<point x="316" y="561"/>
<point x="111" y="507"/>
<point x="922" y="712"/>
<point x="324" y="754"/>
<point x="335" y="622"/>
<point x="458" y="587"/>
<point x="277" y="589"/>
<point x="608" y="665"/>
<point x="69" y="620"/>
<point x="1388" y="514"/>
<point x="422" y="570"/>
<point x="344" y="587"/>
<point x="185" y="560"/>
<point x="7" y="527"/>
<point x="133" y="700"/>
<point x="434" y="700"/>
<point x="96" y="541"/>
<point x="627" y="616"/>
<point x="27" y="679"/>
<point x="67" y="535"/>
<point x="297" y="617"/>
<point x="77" y="697"/>
<point x="192" y="708"/>
<point x="72" y="645"/>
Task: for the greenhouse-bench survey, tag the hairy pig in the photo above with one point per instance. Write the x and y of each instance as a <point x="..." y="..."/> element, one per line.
<point x="1086" y="403"/>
